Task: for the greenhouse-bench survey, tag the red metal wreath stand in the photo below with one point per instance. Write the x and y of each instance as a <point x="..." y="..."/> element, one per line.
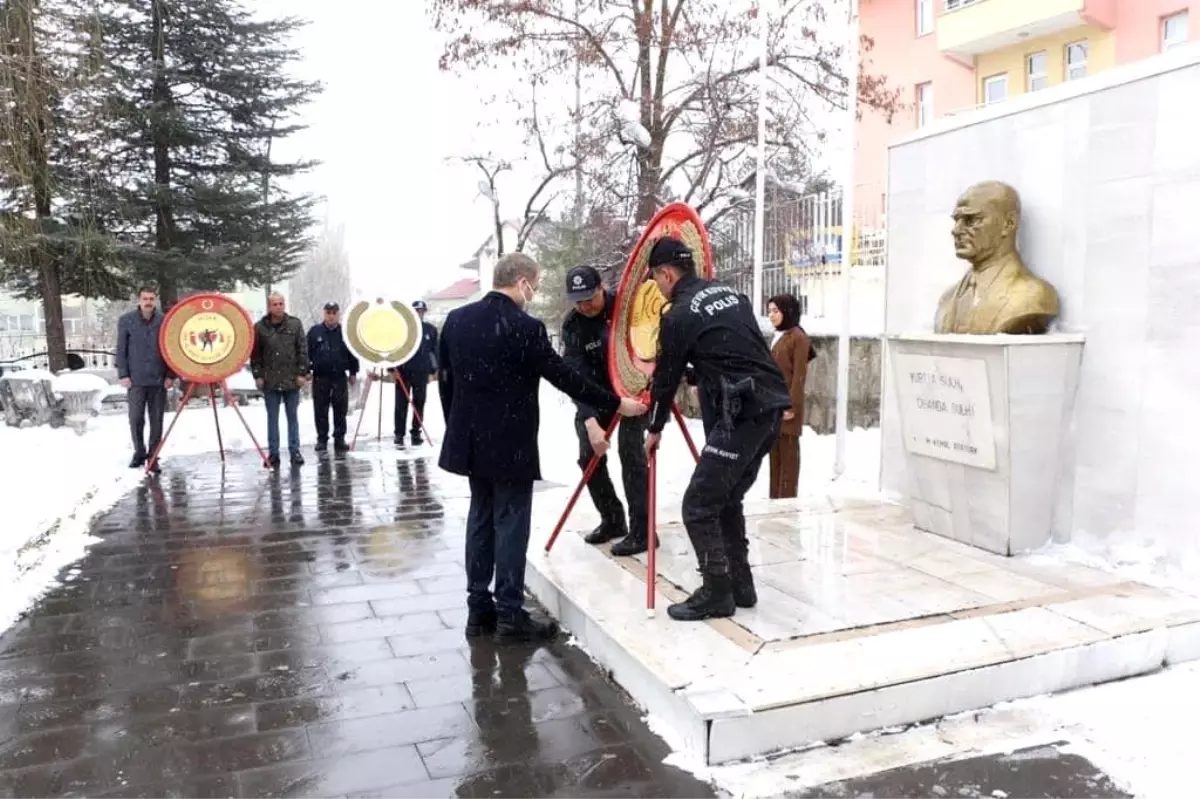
<point x="651" y="500"/>
<point x="212" y="397"/>
<point x="378" y="378"/>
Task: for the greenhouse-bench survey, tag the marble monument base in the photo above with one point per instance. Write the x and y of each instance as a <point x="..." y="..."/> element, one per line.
<point x="984" y="421"/>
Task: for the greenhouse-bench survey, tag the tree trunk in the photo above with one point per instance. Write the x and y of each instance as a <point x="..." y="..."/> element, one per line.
<point x="37" y="106"/>
<point x="649" y="160"/>
<point x="162" y="101"/>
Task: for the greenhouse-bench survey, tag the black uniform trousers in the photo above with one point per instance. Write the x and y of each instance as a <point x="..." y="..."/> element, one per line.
<point x="417" y="384"/>
<point x="331" y="393"/>
<point x="631" y="439"/>
<point x="712" y="504"/>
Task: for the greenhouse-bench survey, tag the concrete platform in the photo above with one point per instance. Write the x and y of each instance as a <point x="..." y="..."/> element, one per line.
<point x="863" y="622"/>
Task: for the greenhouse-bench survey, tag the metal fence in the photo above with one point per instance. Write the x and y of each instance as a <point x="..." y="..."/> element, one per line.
<point x="802" y="250"/>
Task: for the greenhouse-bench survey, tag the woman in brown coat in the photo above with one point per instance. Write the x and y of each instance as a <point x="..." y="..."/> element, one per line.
<point x="792" y="352"/>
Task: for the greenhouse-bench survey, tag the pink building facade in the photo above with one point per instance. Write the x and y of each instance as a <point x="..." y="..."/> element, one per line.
<point x="950" y="56"/>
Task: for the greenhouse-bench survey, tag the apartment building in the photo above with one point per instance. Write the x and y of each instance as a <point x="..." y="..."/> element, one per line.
<point x="951" y="56"/>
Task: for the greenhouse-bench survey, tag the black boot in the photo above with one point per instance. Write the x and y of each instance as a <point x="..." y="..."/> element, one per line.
<point x="633" y="544"/>
<point x="524" y="628"/>
<point x="297" y="459"/>
<point x="321" y="446"/>
<point x="744" y="595"/>
<point x="607" y="531"/>
<point x="339" y="445"/>
<point x="416" y="439"/>
<point x="713" y="600"/>
<point x="138" y="461"/>
<point x="481" y="622"/>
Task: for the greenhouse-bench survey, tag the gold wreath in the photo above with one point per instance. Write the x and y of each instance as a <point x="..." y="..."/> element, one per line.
<point x="631" y="319"/>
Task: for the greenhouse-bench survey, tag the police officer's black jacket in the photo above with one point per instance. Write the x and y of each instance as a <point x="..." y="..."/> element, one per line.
<point x="328" y="355"/>
<point x="424" y="363"/>
<point x="585" y="348"/>
<point x="712" y="327"/>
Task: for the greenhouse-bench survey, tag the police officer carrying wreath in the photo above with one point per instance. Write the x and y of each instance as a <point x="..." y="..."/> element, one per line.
<point x="585" y="346"/>
<point x="713" y="328"/>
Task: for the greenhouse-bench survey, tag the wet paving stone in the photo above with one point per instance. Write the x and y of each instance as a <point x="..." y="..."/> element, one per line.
<point x="239" y="633"/>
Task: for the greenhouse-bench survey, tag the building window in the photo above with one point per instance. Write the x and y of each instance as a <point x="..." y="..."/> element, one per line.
<point x="954" y="5"/>
<point x="1036" y="66"/>
<point x="924" y="104"/>
<point x="1174" y="30"/>
<point x="995" y="89"/>
<point x="924" y="17"/>
<point x="1077" y="54"/>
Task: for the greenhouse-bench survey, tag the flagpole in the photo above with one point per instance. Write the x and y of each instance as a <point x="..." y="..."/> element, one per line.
<point x="848" y="236"/>
<point x="760" y="182"/>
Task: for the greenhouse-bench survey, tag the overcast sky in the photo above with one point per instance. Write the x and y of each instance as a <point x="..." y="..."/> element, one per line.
<point x="383" y="128"/>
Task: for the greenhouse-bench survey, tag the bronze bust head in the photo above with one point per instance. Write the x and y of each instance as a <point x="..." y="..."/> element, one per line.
<point x="998" y="294"/>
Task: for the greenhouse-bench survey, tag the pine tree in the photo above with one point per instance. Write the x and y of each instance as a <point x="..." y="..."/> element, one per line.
<point x="199" y="90"/>
<point x="48" y="244"/>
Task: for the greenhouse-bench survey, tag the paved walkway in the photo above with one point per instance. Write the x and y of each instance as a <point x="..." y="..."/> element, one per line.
<point x="238" y="633"/>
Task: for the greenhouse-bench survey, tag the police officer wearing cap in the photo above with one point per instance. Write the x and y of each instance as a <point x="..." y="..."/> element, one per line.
<point x="713" y="328"/>
<point x="334" y="370"/>
<point x="418" y="373"/>
<point x="585" y="347"/>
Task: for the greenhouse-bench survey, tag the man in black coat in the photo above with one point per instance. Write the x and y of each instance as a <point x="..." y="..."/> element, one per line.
<point x="585" y="347"/>
<point x="144" y="373"/>
<point x="334" y="370"/>
<point x="713" y="328"/>
<point x="492" y="357"/>
<point x="418" y="372"/>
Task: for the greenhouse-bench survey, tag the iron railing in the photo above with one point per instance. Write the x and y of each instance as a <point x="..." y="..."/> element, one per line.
<point x="802" y="247"/>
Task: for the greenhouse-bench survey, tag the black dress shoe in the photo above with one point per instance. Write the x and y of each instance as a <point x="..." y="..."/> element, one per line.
<point x="321" y="446"/>
<point x="339" y="445"/>
<point x="607" y="531"/>
<point x="297" y="459"/>
<point x="523" y="628"/>
<point x="273" y="461"/>
<point x="481" y="622"/>
<point x="138" y="461"/>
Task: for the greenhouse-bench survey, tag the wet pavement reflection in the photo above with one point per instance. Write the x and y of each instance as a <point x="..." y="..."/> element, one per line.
<point x="239" y="633"/>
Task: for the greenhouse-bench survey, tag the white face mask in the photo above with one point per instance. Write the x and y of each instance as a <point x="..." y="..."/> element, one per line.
<point x="529" y="299"/>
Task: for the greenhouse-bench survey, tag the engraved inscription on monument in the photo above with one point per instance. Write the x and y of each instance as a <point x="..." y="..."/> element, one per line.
<point x="945" y="408"/>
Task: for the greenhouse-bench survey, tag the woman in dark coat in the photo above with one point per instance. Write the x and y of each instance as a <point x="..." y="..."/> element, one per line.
<point x="792" y="352"/>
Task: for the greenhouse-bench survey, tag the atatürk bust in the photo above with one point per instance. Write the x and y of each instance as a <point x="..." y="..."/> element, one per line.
<point x="998" y="294"/>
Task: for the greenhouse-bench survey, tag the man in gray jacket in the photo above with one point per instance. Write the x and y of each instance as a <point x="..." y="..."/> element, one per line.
<point x="144" y="373"/>
<point x="279" y="364"/>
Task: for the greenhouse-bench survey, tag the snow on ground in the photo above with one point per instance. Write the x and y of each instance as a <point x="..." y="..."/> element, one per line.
<point x="1138" y="731"/>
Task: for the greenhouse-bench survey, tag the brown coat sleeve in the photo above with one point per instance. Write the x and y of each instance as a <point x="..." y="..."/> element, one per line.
<point x="796" y="352"/>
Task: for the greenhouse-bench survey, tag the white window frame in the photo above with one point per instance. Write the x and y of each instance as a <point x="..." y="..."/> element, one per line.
<point x="1032" y="78"/>
<point x="924" y="17"/>
<point x="1001" y="79"/>
<point x="924" y="94"/>
<point x="1166" y="43"/>
<point x="1075" y="71"/>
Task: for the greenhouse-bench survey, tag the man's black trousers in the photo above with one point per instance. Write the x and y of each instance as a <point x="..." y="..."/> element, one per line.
<point x="712" y="504"/>
<point x="146" y="401"/>
<point x="631" y="439"/>
<point x="331" y="393"/>
<point x="417" y="384"/>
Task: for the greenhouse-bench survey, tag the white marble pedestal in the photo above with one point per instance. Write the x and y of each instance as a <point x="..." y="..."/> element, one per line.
<point x="984" y="421"/>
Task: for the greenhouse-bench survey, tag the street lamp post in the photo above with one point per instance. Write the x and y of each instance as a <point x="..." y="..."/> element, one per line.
<point x="848" y="236"/>
<point x="760" y="180"/>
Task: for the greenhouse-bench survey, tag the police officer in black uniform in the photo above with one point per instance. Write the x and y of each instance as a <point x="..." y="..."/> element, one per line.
<point x="713" y="328"/>
<point x="418" y="373"/>
<point x="585" y="347"/>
